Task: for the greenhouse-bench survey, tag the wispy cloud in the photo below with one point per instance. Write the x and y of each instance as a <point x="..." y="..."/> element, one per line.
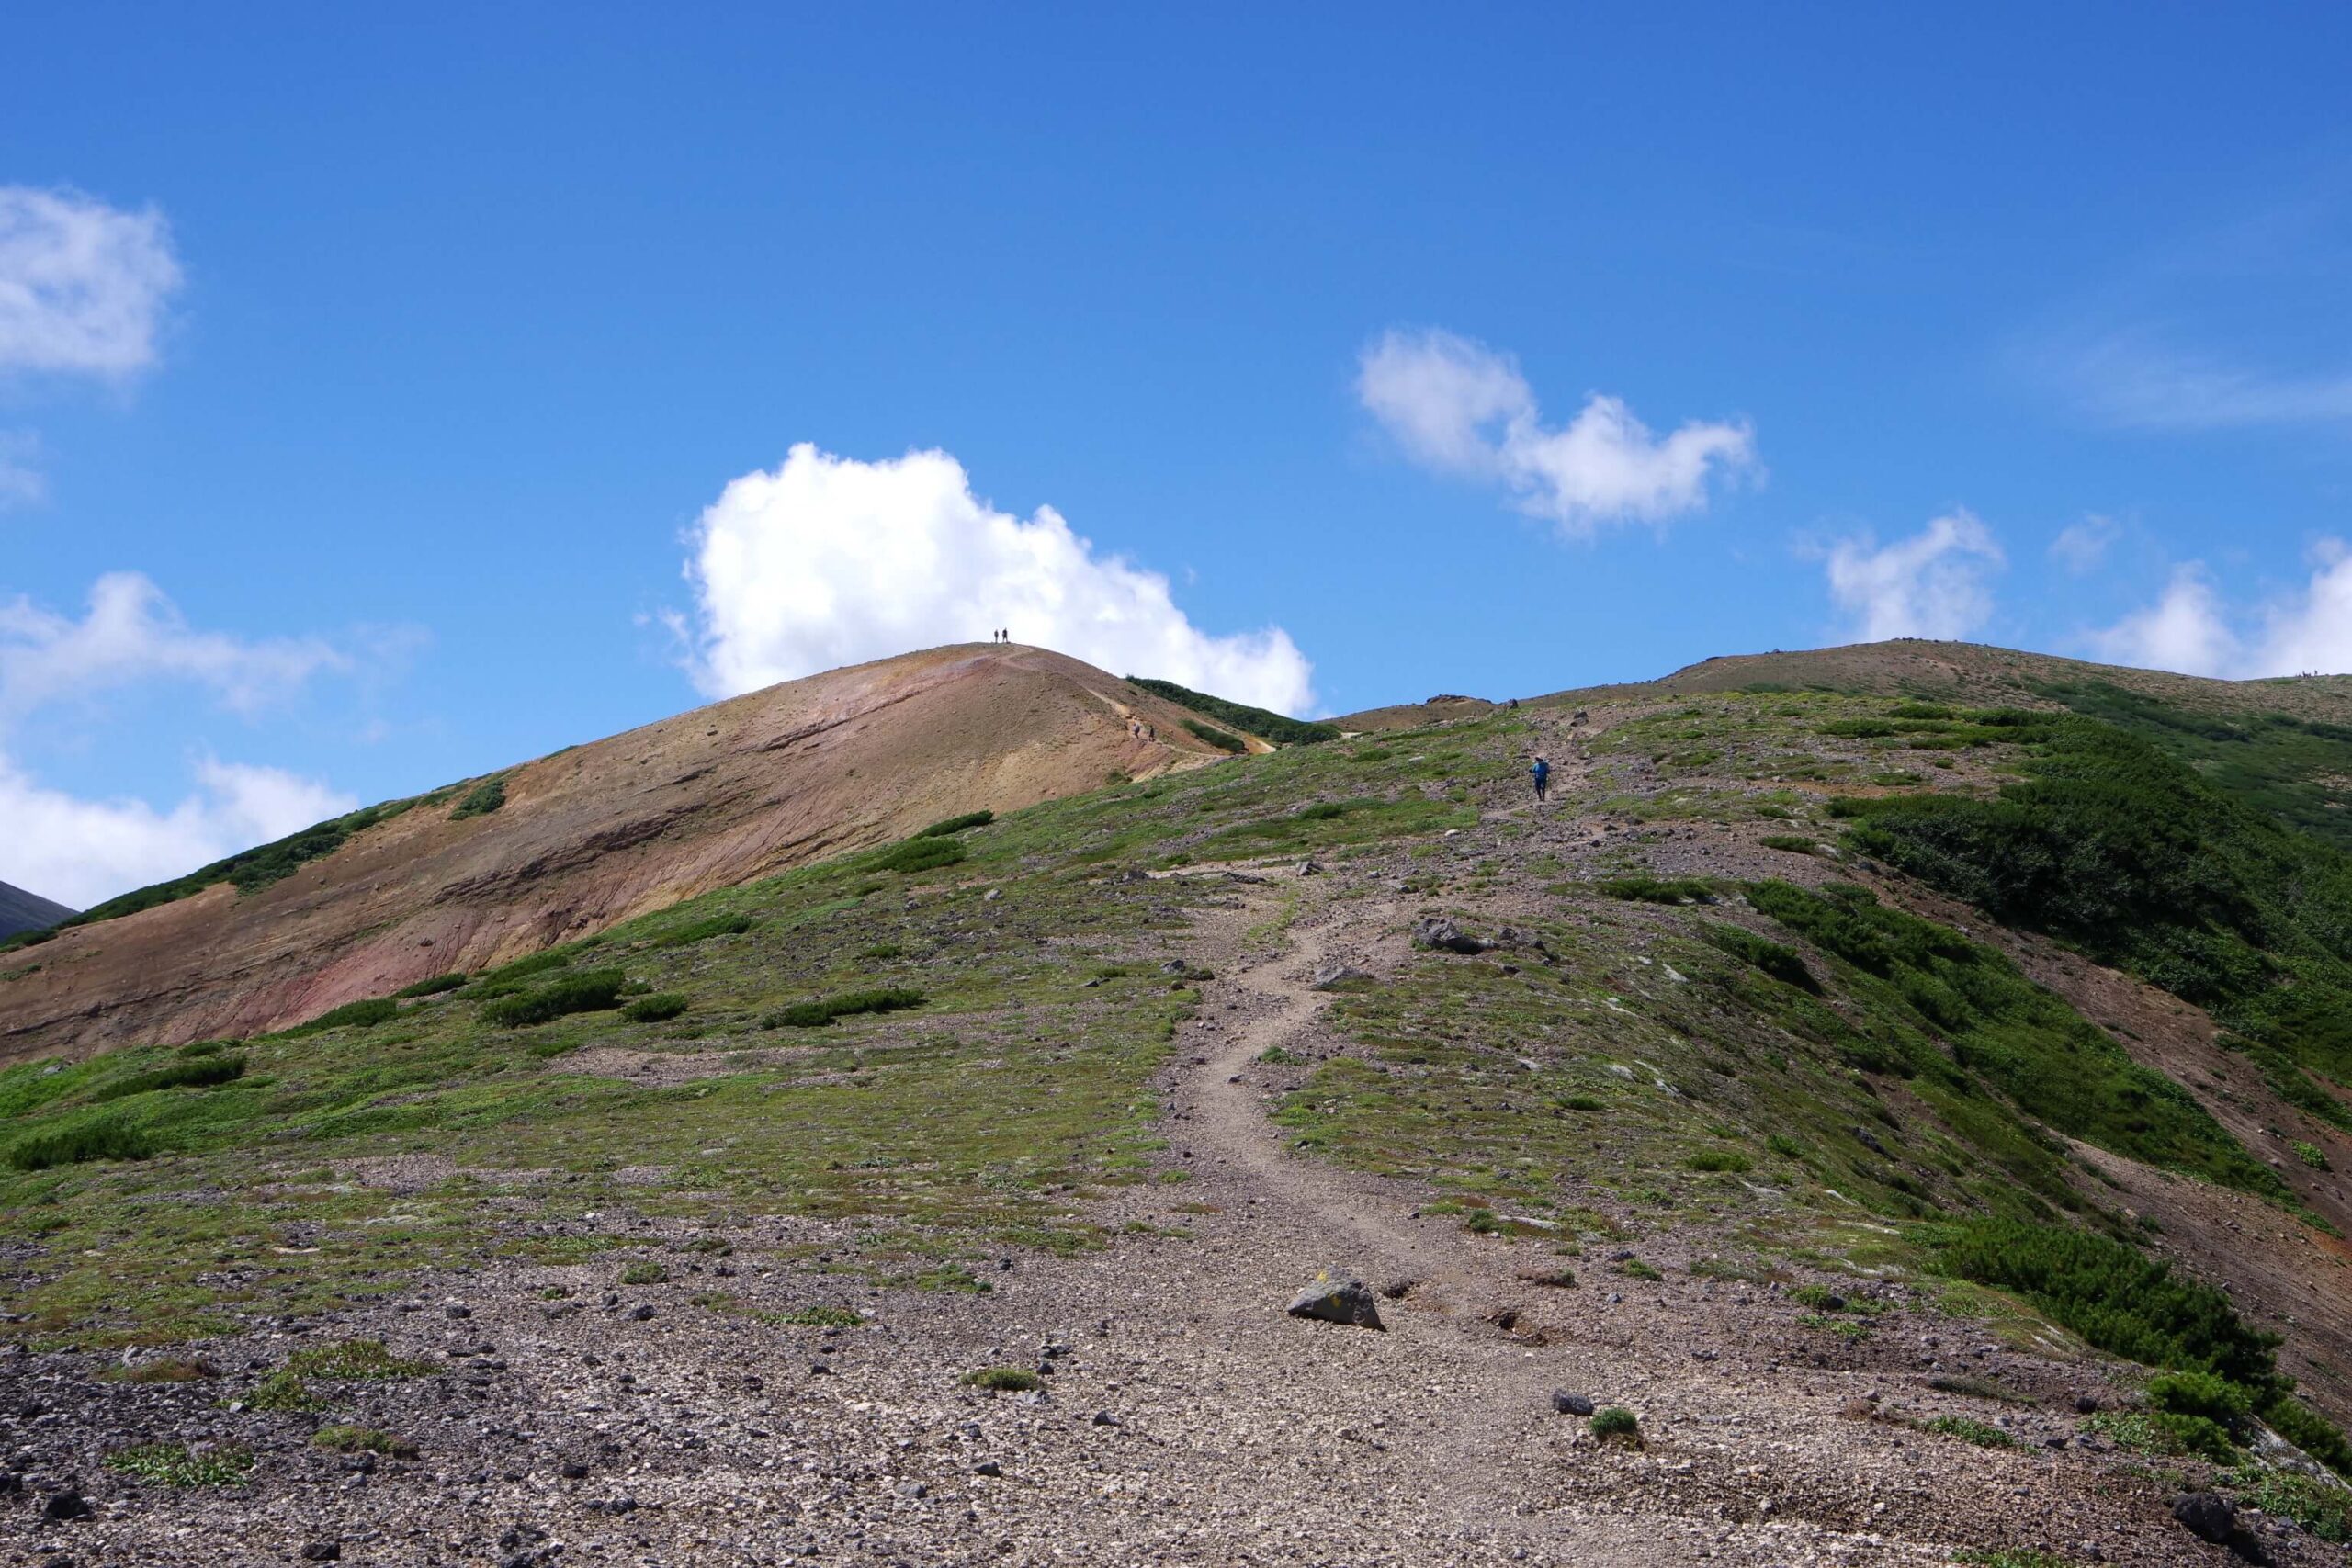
<point x="1936" y="583"/>
<point x="2134" y="380"/>
<point x="1460" y="408"/>
<point x="2081" y="547"/>
<point x="82" y="284"/>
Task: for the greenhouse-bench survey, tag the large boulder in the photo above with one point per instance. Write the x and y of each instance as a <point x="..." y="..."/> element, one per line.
<point x="1437" y="932"/>
<point x="2208" y="1515"/>
<point x="1336" y="1298"/>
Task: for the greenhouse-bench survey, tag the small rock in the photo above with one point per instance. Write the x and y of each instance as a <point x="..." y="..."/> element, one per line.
<point x="1104" y="1418"/>
<point x="1336" y="1298"/>
<point x="2087" y="1405"/>
<point x="642" y="1313"/>
<point x="322" y="1551"/>
<point x="1308" y="868"/>
<point x="65" y="1505"/>
<point x="575" y="1471"/>
<point x="988" y="1467"/>
<point x="1331" y="976"/>
<point x="1569" y="1403"/>
<point x="2208" y="1515"/>
<point x="992" y="894"/>
<point x="457" y="1313"/>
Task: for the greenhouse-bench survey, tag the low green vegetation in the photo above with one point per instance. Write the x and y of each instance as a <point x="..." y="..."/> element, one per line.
<point x="2133" y="856"/>
<point x="1614" y="1423"/>
<point x="1219" y="738"/>
<point x="176" y="1464"/>
<point x="1004" y="1380"/>
<point x="205" y="1071"/>
<point x="955" y="825"/>
<point x="79" y="1141"/>
<point x="818" y="1013"/>
<point x="361" y="1014"/>
<point x="591" y="990"/>
<point x="915" y="855"/>
<point x="345" y="1439"/>
<point x="1969" y="1430"/>
<point x="1659" y="890"/>
<point x="354" y="1361"/>
<point x="430" y="988"/>
<point x="644" y="1274"/>
<point x="659" y="1008"/>
<point x="1260" y="722"/>
<point x="482" y="800"/>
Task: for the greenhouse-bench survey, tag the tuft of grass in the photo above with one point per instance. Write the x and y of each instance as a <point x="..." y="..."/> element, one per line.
<point x="1970" y="1431"/>
<point x="818" y="1317"/>
<point x="658" y="1008"/>
<point x="354" y="1361"/>
<point x="343" y="1440"/>
<point x="482" y="800"/>
<point x="591" y="990"/>
<point x="172" y="1370"/>
<point x="1275" y="1056"/>
<point x="2311" y="1155"/>
<point x="1718" y="1160"/>
<point x="285" y="1392"/>
<point x="176" y="1464"/>
<point x="1634" y="1268"/>
<point x="644" y="1274"/>
<point x="1004" y="1380"/>
<point x="819" y="1013"/>
<point x="1614" y="1423"/>
<point x="955" y="825"/>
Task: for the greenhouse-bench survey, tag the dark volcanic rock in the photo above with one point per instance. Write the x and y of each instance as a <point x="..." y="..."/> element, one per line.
<point x="1336" y="1298"/>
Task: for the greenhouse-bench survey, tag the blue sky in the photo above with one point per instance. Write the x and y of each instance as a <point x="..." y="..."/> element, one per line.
<point x="411" y="363"/>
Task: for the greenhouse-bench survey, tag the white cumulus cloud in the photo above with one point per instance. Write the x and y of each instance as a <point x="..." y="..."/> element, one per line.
<point x="1460" y="408"/>
<point x="2191" y="629"/>
<point x="1936" y="584"/>
<point x="82" y="851"/>
<point x="829" y="561"/>
<point x="82" y="284"/>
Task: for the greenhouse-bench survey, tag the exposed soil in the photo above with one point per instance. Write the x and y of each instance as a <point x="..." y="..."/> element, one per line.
<point x="597" y="834"/>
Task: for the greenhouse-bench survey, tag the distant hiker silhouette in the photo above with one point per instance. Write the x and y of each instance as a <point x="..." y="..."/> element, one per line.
<point x="1542" y="772"/>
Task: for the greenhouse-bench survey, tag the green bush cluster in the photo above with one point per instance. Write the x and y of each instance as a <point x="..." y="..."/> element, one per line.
<point x="482" y="800"/>
<point x="198" y="1072"/>
<point x="1217" y="738"/>
<point x="432" y="987"/>
<point x="1781" y="964"/>
<point x="77" y="1143"/>
<point x="955" y="825"/>
<point x="1928" y="982"/>
<point x="2220" y="1371"/>
<point x="2132" y="855"/>
<point x="1004" y="1380"/>
<point x="917" y="855"/>
<point x="591" y="990"/>
<point x="659" y="1008"/>
<point x="1260" y="722"/>
<point x="1644" y="889"/>
<point x="703" y="930"/>
<point x="364" y="1014"/>
<point x="818" y="1013"/>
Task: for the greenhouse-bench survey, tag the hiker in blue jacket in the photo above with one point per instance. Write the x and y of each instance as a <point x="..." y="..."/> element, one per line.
<point x="1542" y="772"/>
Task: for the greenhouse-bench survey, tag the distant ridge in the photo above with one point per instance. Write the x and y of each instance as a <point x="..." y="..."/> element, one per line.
<point x="23" y="912"/>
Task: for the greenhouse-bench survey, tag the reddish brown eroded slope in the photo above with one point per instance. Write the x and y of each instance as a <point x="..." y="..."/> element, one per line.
<point x="599" y="833"/>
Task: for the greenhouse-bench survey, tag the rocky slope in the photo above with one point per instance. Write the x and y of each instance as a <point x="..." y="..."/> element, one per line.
<point x="595" y="834"/>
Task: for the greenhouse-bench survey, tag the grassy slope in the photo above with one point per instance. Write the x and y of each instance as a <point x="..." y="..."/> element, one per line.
<point x="1642" y="1077"/>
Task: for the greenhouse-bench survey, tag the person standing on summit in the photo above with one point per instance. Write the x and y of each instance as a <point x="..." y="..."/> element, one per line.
<point x="1543" y="774"/>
